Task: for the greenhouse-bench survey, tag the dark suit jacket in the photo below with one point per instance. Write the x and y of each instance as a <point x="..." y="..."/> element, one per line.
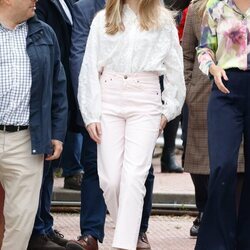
<point x="83" y="14"/>
<point x="52" y="13"/>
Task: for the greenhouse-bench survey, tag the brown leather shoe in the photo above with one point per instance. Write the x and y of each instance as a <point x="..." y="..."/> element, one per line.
<point x="86" y="242"/>
<point x="142" y="243"/>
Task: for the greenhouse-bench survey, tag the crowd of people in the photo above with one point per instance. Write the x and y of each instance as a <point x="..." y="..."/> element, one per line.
<point x="89" y="85"/>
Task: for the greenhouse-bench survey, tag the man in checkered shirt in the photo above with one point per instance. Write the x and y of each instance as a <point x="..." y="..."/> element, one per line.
<point x="33" y="114"/>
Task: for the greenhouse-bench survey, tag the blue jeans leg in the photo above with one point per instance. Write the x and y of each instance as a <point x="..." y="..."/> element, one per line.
<point x="44" y="220"/>
<point x="70" y="158"/>
<point x="71" y="155"/>
<point x="93" y="208"/>
<point x="147" y="207"/>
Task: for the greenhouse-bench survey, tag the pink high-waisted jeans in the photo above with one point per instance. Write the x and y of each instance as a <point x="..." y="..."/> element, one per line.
<point x="130" y="120"/>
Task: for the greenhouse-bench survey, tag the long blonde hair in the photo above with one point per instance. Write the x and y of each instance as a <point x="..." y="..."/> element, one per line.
<point x="200" y="6"/>
<point x="148" y="11"/>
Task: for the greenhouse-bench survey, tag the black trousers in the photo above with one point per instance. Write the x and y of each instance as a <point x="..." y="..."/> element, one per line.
<point x="228" y="122"/>
<point x="200" y="182"/>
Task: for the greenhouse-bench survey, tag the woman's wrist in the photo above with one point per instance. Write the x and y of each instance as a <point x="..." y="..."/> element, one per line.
<point x="212" y="68"/>
<point x="164" y="117"/>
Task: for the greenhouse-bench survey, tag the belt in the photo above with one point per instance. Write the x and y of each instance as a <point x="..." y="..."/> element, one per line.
<point x="12" y="128"/>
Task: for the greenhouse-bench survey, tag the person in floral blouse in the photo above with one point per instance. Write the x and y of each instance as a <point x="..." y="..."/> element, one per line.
<point x="224" y="55"/>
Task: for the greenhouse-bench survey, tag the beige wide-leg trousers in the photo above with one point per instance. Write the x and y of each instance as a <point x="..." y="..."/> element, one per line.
<point x="131" y="113"/>
<point x="21" y="177"/>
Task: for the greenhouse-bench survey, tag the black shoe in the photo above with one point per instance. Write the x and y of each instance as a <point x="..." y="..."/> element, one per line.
<point x="73" y="182"/>
<point x="196" y="225"/>
<point x="168" y="164"/>
<point x="42" y="242"/>
<point x="58" y="238"/>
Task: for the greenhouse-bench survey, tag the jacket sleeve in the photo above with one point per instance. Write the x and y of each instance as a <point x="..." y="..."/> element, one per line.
<point x="80" y="32"/>
<point x="59" y="107"/>
<point x="174" y="92"/>
<point x="89" y="92"/>
<point x="189" y="44"/>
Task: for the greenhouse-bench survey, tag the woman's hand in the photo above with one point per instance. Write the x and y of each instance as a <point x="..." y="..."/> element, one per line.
<point x="95" y="131"/>
<point x="218" y="73"/>
<point x="162" y="124"/>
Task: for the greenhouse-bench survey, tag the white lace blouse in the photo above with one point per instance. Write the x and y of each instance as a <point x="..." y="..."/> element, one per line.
<point x="131" y="51"/>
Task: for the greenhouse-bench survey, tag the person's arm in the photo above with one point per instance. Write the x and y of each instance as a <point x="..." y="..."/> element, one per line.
<point x="189" y="43"/>
<point x="207" y="50"/>
<point x="89" y="91"/>
<point x="174" y="85"/>
<point x="42" y="10"/>
<point x="80" y="32"/>
<point x="208" y="44"/>
<point x="59" y="106"/>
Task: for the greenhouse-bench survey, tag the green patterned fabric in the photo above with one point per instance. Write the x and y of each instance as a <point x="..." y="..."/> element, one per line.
<point x="225" y="36"/>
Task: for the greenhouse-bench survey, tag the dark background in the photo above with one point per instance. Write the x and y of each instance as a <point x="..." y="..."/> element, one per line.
<point x="177" y="4"/>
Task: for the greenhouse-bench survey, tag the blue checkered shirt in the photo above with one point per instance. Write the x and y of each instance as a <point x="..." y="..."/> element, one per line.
<point x="15" y="76"/>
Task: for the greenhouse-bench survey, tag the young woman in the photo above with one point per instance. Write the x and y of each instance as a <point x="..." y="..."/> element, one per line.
<point x="198" y="91"/>
<point x="130" y="44"/>
<point x="223" y="53"/>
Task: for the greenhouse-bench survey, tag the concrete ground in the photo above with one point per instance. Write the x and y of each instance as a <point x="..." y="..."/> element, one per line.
<point x="164" y="233"/>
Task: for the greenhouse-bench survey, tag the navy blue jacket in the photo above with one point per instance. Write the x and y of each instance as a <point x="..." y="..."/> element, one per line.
<point x="48" y="100"/>
<point x="84" y="12"/>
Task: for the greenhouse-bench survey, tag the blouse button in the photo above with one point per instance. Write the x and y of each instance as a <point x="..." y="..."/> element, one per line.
<point x="125" y="77"/>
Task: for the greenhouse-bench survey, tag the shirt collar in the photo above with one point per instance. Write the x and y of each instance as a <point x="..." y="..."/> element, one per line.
<point x="232" y="5"/>
<point x="19" y="26"/>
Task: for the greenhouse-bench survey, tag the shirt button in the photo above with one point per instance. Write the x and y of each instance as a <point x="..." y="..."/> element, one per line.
<point x="34" y="151"/>
<point x="125" y="77"/>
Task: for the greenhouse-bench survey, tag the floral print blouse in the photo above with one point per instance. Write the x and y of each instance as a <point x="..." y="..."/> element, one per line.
<point x="225" y="38"/>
